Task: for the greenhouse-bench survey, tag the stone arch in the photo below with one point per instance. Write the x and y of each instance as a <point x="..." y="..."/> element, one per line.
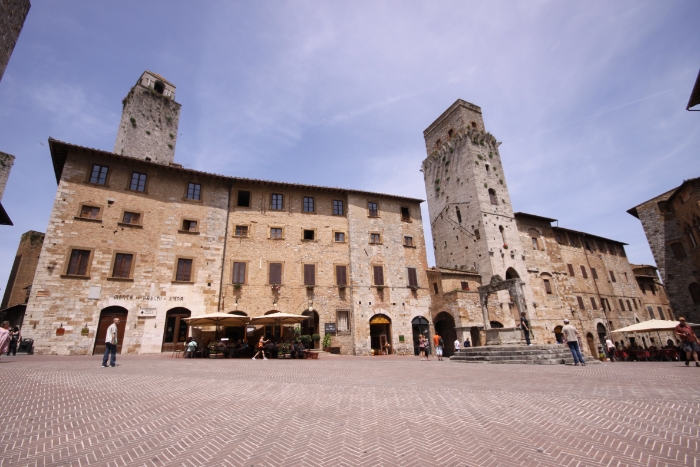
<point x="444" y="324"/>
<point x="420" y="325"/>
<point x="496" y="324"/>
<point x="107" y="316"/>
<point x="159" y="87"/>
<point x="591" y="345"/>
<point x="511" y="273"/>
<point x="176" y="329"/>
<point x="311" y="325"/>
<point x="380" y="334"/>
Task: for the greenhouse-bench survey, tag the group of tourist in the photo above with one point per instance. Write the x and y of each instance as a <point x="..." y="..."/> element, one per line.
<point x="9" y="339"/>
<point x="265" y="348"/>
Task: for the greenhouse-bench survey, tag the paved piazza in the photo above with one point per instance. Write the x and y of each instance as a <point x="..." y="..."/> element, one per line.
<point x="345" y="411"/>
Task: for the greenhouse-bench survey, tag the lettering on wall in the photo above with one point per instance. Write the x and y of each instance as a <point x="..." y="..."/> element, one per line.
<point x="149" y="298"/>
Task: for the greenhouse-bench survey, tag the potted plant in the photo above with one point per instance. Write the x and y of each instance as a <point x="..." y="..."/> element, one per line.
<point x="327" y="342"/>
<point x="505" y="247"/>
<point x="236" y="286"/>
<point x="316" y="338"/>
<point x="309" y="287"/>
<point x="305" y="339"/>
<point x="380" y="288"/>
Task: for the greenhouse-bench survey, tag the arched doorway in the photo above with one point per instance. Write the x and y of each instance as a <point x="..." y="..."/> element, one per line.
<point x="310" y="326"/>
<point x="512" y="274"/>
<point x="591" y="345"/>
<point x="236" y="333"/>
<point x="380" y="334"/>
<point x="176" y="328"/>
<point x="420" y="326"/>
<point x="445" y="327"/>
<point x="107" y="316"/>
<point x="475" y="334"/>
<point x="602" y="333"/>
<point x="559" y="335"/>
<point x="496" y="324"/>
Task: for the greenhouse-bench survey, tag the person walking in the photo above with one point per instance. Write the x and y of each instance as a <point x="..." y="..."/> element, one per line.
<point x="111" y="341"/>
<point x="689" y="341"/>
<point x="261" y="348"/>
<point x="438" y="343"/>
<point x="610" y="346"/>
<point x="191" y="347"/>
<point x="4" y="337"/>
<point x="571" y="336"/>
<point x="457" y="345"/>
<point x="15" y="339"/>
<point x="525" y="326"/>
<point x="421" y="346"/>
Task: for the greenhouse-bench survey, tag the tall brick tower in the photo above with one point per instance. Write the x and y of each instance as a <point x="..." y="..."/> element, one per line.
<point x="471" y="215"/>
<point x="150" y="117"/>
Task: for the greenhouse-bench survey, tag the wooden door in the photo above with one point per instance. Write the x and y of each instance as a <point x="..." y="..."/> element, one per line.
<point x="106" y="319"/>
<point x="591" y="346"/>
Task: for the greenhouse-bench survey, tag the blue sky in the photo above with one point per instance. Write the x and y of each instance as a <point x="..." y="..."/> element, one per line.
<point x="588" y="98"/>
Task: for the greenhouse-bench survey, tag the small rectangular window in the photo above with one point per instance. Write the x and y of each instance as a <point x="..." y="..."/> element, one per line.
<point x="189" y="225"/>
<point x="622" y="304"/>
<point x="465" y="285"/>
<point x="339" y="237"/>
<point x="602" y="305"/>
<point x="571" y="270"/>
<point x="412" y="277"/>
<point x="625" y="274"/>
<point x="89" y="212"/>
<point x="634" y="302"/>
<point x="342" y="321"/>
<point x="275" y="273"/>
<point x="99" y="174"/>
<point x="375" y="238"/>
<point x="534" y="243"/>
<point x="373" y="209"/>
<point x="580" y="303"/>
<point x="651" y="312"/>
<point x="594" y="273"/>
<point x="477" y="235"/>
<point x="276" y="202"/>
<point x="547" y="286"/>
<point x="241" y="231"/>
<point x="243" y="199"/>
<point x="629" y="306"/>
<point x="341" y="275"/>
<point x="78" y="262"/>
<point x="612" y="276"/>
<point x="405" y="214"/>
<point x="661" y="313"/>
<point x="309" y="204"/>
<point x="122" y="265"/>
<point x="678" y="250"/>
<point x="309" y="274"/>
<point x="583" y="272"/>
<point x="239" y="272"/>
<point x="338" y="209"/>
<point x="378" y="275"/>
<point x="408" y="241"/>
<point x="138" y="182"/>
<point x="593" y="304"/>
<point x="276" y="232"/>
<point x="652" y="286"/>
<point x="133" y="218"/>
<point x="184" y="270"/>
<point x="309" y="234"/>
<point x="194" y="191"/>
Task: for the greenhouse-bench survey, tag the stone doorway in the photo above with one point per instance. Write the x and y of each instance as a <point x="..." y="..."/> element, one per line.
<point x="176" y="329"/>
<point x="475" y="336"/>
<point x="445" y="326"/>
<point x="420" y="326"/>
<point x="591" y="345"/>
<point x="380" y="335"/>
<point x="107" y="316"/>
<point x="310" y="326"/>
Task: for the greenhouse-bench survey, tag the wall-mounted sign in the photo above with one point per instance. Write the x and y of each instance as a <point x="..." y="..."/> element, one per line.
<point x="150" y="298"/>
<point x="94" y="292"/>
<point x="401" y="338"/>
<point x="250" y="329"/>
<point x="147" y="313"/>
<point x="331" y="328"/>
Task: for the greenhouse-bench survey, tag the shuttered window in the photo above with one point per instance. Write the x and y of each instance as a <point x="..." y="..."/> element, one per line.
<point x="580" y="303"/>
<point x="571" y="270"/>
<point x="412" y="277"/>
<point x="78" y="263"/>
<point x="189" y="226"/>
<point x="341" y="275"/>
<point x="583" y="272"/>
<point x="309" y="274"/>
<point x="593" y="304"/>
<point x="408" y="241"/>
<point x="239" y="272"/>
<point x="275" y="273"/>
<point x="89" y="212"/>
<point x="594" y="273"/>
<point x="122" y="265"/>
<point x="184" y="270"/>
<point x="547" y="286"/>
<point x="612" y="276"/>
<point x="343" y="323"/>
<point x="378" y="275"/>
<point x="405" y="214"/>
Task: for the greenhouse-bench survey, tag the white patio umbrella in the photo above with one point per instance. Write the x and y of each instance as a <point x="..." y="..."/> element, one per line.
<point x="217" y="319"/>
<point x="278" y="319"/>
<point x="652" y="325"/>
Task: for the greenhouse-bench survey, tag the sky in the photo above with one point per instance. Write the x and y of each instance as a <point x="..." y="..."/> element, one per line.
<point x="588" y="98"/>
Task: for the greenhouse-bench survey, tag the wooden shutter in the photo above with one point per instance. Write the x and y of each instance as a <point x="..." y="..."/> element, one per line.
<point x="341" y="277"/>
<point x="275" y="273"/>
<point x="78" y="263"/>
<point x="184" y="270"/>
<point x="309" y="274"/>
<point x="571" y="270"/>
<point x="239" y="273"/>
<point x="122" y="266"/>
<point x="580" y="303"/>
<point x="583" y="272"/>
<point x="378" y="275"/>
<point x="412" y="277"/>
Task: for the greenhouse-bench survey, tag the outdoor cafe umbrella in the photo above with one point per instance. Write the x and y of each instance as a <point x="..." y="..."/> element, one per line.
<point x="652" y="325"/>
<point x="278" y="319"/>
<point x="217" y="319"/>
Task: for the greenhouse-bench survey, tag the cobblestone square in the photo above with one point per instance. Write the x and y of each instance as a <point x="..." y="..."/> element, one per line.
<point x="345" y="411"/>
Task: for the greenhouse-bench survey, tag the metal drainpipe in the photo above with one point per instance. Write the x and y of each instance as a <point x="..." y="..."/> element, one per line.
<point x="223" y="256"/>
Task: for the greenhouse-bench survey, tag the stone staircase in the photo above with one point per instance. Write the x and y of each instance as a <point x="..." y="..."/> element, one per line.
<point x="518" y="354"/>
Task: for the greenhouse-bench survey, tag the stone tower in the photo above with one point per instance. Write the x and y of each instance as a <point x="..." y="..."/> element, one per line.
<point x="150" y="117"/>
<point x="471" y="215"/>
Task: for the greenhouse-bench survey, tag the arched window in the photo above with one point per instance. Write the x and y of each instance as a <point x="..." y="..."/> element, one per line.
<point x="450" y="133"/>
<point x="496" y="325"/>
<point x="159" y="87"/>
<point x="493" y="197"/>
<point x="694" y="290"/>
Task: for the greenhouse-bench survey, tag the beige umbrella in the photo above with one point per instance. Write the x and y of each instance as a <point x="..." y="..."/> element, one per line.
<point x="278" y="319"/>
<point x="217" y="319"/>
<point x="652" y="325"/>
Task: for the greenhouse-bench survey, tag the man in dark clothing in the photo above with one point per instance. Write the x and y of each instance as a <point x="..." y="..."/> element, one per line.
<point x="689" y="341"/>
<point x="525" y="326"/>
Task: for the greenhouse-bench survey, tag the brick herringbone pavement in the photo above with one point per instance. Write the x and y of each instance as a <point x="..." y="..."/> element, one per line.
<point x="345" y="411"/>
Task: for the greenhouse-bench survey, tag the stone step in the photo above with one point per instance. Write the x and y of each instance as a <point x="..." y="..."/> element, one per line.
<point x="518" y="354"/>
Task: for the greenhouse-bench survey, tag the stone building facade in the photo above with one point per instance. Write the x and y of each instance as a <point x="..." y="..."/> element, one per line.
<point x="562" y="273"/>
<point x="19" y="284"/>
<point x="6" y="163"/>
<point x="12" y="16"/>
<point x="671" y="222"/>
<point x="140" y="237"/>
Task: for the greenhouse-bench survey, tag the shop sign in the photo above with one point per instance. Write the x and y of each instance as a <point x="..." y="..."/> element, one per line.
<point x="330" y="328"/>
<point x="147" y="313"/>
<point x="250" y="329"/>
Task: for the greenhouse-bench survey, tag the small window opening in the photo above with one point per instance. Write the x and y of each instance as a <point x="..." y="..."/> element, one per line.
<point x="450" y="133"/>
<point x="243" y="199"/>
<point x="189" y="226"/>
<point x="438" y="143"/>
<point x="405" y="214"/>
<point x="493" y="197"/>
<point x="159" y="87"/>
<point x="473" y="124"/>
<point x="459" y="216"/>
<point x="435" y="288"/>
<point x="488" y="168"/>
<point x="309" y="234"/>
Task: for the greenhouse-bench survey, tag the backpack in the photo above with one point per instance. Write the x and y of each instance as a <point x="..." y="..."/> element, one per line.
<point x="441" y="343"/>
